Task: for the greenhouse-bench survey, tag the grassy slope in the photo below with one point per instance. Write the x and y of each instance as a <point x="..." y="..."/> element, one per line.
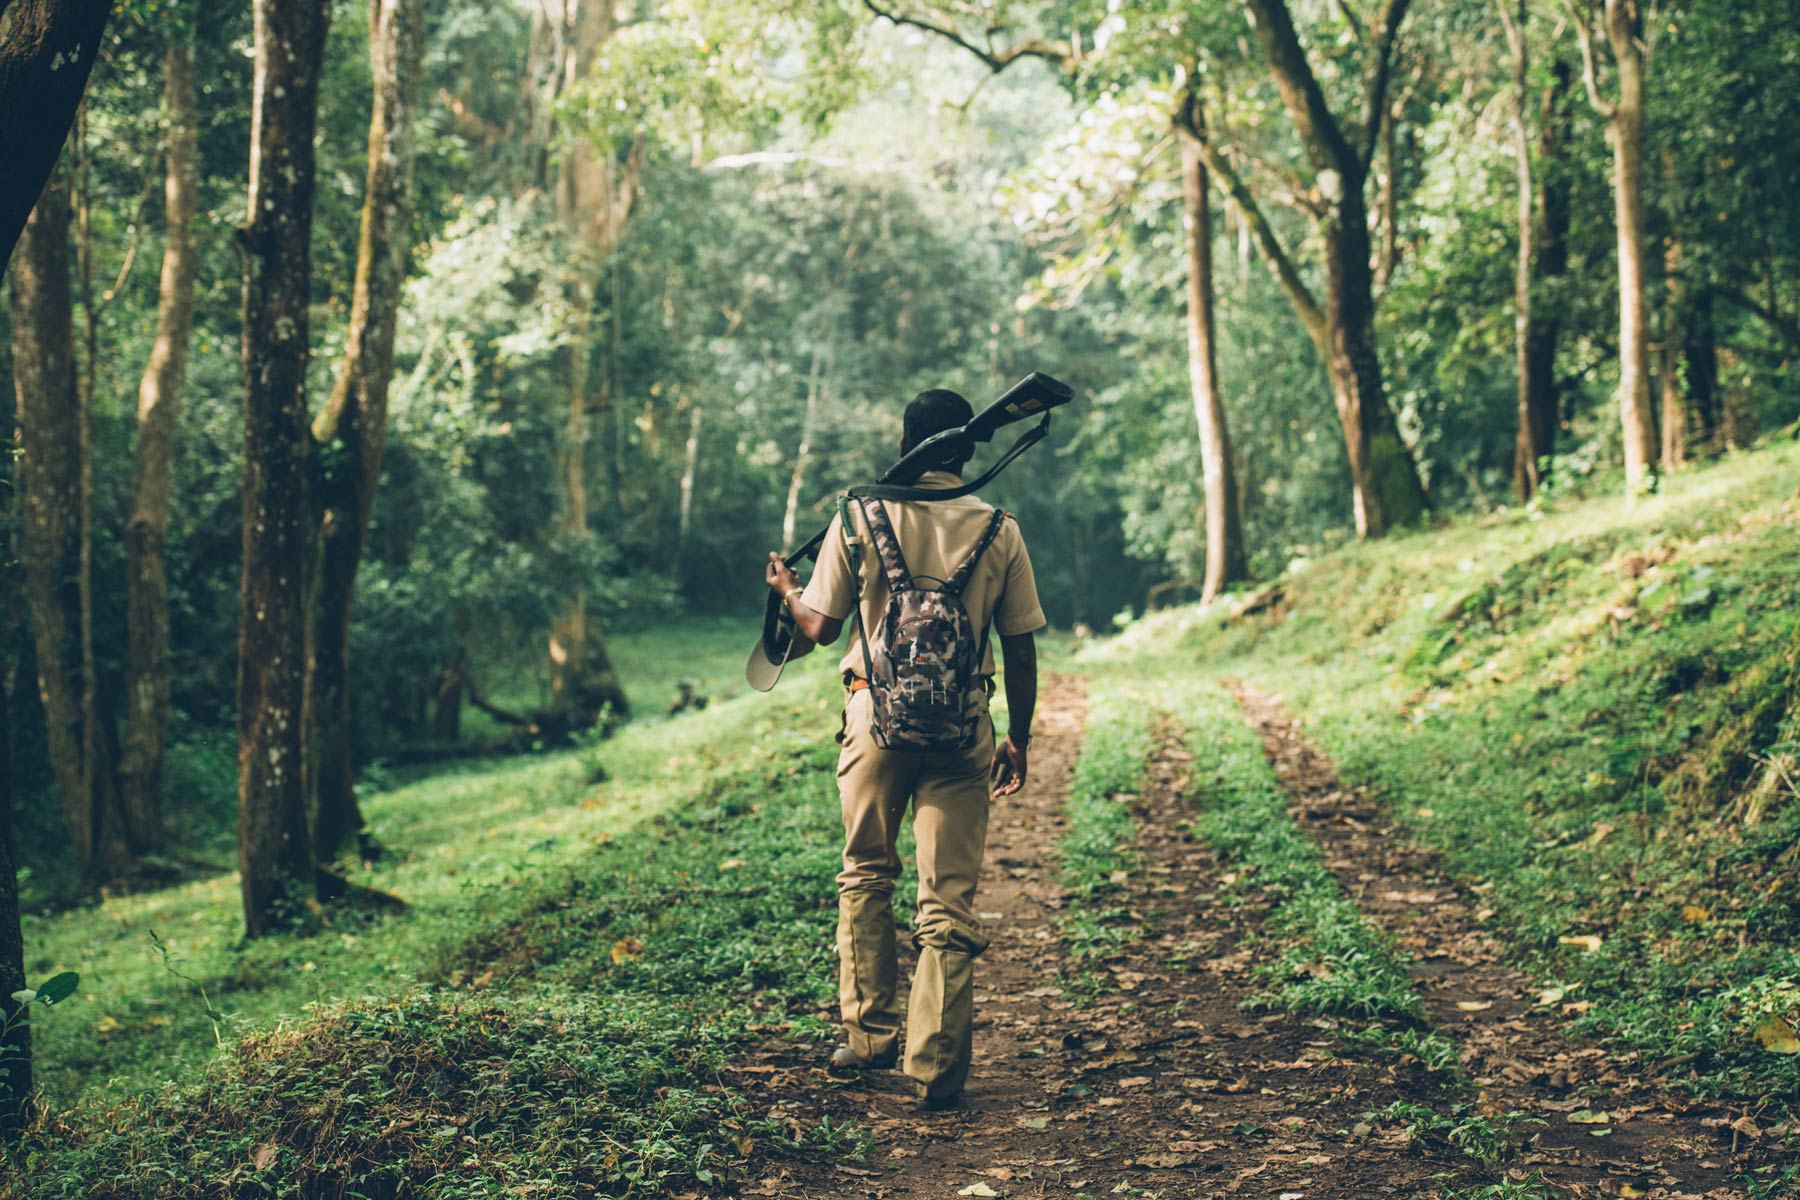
<point x="468" y="845"/>
<point x="1540" y="696"/>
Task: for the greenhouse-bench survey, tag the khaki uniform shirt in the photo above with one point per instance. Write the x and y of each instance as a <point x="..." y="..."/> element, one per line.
<point x="935" y="537"/>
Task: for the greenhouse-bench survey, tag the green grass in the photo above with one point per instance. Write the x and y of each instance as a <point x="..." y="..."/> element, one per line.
<point x="1332" y="961"/>
<point x="468" y="845"/>
<point x="1573" y="705"/>
<point x="1099" y="852"/>
<point x="560" y="1027"/>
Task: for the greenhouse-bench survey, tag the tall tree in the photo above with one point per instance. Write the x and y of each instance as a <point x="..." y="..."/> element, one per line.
<point x="1387" y="491"/>
<point x="352" y="428"/>
<point x="146" y="530"/>
<point x="594" y="198"/>
<point x="1225" y="559"/>
<point x="54" y="483"/>
<point x="274" y="849"/>
<point x="1623" y="24"/>
<point x="47" y="49"/>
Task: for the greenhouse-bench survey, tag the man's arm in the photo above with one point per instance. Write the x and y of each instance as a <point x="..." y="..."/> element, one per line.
<point x="815" y="628"/>
<point x="1018" y="657"/>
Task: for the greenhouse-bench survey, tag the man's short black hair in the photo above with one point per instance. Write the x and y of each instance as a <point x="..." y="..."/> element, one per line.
<point x="932" y="412"/>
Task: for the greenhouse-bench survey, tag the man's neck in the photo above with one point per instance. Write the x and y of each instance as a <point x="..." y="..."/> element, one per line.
<point x="939" y="479"/>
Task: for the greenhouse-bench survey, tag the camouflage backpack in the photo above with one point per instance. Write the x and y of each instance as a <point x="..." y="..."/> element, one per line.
<point x="924" y="663"/>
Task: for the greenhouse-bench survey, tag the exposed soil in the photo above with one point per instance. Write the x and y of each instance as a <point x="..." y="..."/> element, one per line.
<point x="1161" y="1082"/>
<point x="1510" y="1040"/>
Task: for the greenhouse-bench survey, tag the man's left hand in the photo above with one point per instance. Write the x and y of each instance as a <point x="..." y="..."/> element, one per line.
<point x="779" y="576"/>
<point x="1009" y="768"/>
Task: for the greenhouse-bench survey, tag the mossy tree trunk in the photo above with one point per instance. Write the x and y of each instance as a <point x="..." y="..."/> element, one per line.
<point x="352" y="428"/>
<point x="274" y="847"/>
<point x="53" y="481"/>
<point x="146" y="530"/>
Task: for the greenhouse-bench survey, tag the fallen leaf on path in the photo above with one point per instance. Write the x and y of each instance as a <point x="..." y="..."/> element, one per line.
<point x="1588" y="1116"/>
<point x="1586" y="941"/>
<point x="1778" y="1036"/>
<point x="1695" y="913"/>
<point x="1474" y="1005"/>
<point x="1136" y="1081"/>
<point x="1034" y="1122"/>
<point x="265" y="1154"/>
<point x="977" y="1189"/>
<point x="1551" y="995"/>
<point x="1748" y="1127"/>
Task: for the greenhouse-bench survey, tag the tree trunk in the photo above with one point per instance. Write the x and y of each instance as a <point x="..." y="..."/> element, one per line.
<point x="52" y="476"/>
<point x="593" y="200"/>
<point x="1387" y="492"/>
<point x="1528" y="453"/>
<point x="690" y="464"/>
<point x="1225" y="562"/>
<point x="47" y="48"/>
<point x="274" y="852"/>
<point x="353" y="424"/>
<point x="146" y="575"/>
<point x="1550" y="261"/>
<point x="1674" y="423"/>
<point x="15" y="1033"/>
<point x="809" y="418"/>
<point x="1626" y="132"/>
<point x="1702" y="354"/>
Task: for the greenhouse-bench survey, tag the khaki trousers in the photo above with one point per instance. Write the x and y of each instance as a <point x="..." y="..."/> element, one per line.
<point x="949" y="795"/>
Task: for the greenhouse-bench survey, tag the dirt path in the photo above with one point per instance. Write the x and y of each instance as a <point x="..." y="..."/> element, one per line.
<point x="1161" y="1083"/>
<point x="1510" y="1041"/>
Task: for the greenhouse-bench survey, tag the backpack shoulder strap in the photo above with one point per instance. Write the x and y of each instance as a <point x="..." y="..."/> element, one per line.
<point x="959" y="579"/>
<point x="887" y="546"/>
<point x="854" y="545"/>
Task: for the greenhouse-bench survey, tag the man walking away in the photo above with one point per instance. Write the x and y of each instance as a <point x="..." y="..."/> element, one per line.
<point x="924" y="582"/>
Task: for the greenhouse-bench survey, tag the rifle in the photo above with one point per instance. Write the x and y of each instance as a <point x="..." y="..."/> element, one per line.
<point x="1036" y="393"/>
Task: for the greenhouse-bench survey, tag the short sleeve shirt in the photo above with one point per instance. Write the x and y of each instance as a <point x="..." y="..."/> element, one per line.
<point x="935" y="537"/>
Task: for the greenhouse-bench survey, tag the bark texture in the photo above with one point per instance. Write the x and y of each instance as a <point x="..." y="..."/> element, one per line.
<point x="47" y="48"/>
<point x="52" y="481"/>
<point x="1550" y="246"/>
<point x="1386" y="487"/>
<point x="353" y="425"/>
<point x="1623" y="27"/>
<point x="146" y="530"/>
<point x="274" y="850"/>
<point x="1674" y="422"/>
<point x="1225" y="560"/>
<point x="594" y="198"/>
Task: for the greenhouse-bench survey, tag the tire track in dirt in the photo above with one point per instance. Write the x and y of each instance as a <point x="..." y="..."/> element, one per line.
<point x="1162" y="1082"/>
<point x="1511" y="1044"/>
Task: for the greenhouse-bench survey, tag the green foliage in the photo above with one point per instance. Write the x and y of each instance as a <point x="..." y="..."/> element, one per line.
<point x="1487" y="1141"/>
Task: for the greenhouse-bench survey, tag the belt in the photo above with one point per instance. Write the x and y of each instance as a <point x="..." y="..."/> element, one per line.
<point x="858" y="684"/>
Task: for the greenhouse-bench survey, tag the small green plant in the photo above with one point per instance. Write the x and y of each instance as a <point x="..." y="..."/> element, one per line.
<point x="1487" y="1142"/>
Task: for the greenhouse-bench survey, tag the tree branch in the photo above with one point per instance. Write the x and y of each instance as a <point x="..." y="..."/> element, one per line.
<point x="1584" y="34"/>
<point x="1375" y="105"/>
<point x="995" y="60"/>
<point x="1305" y="305"/>
<point x="1319" y="131"/>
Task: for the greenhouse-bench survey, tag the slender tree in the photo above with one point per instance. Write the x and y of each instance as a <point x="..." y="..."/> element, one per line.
<point x="352" y="428"/>
<point x="1623" y="24"/>
<point x="54" y="499"/>
<point x="594" y="198"/>
<point x="274" y="849"/>
<point x="1225" y="559"/>
<point x="146" y="530"/>
<point x="47" y="49"/>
